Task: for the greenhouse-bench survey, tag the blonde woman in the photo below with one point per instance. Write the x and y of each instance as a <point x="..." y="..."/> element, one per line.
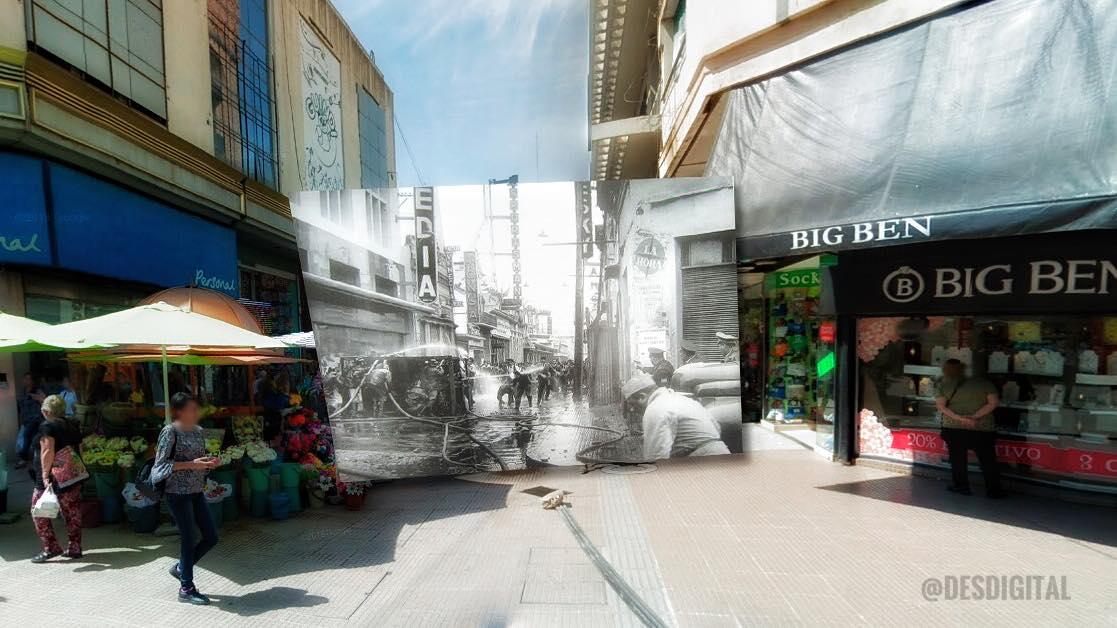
<point x="53" y="436"/>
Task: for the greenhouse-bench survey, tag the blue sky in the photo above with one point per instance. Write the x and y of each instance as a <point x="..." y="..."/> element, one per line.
<point x="476" y="81"/>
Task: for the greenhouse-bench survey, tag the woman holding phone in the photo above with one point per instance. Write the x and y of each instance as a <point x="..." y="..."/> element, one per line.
<point x="181" y="458"/>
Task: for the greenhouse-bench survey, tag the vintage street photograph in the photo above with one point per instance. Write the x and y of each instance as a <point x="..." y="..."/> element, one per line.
<point x="507" y="325"/>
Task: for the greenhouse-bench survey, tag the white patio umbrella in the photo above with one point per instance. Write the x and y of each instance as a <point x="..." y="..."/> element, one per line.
<point x="157" y="325"/>
<point x="18" y="334"/>
<point x="304" y="339"/>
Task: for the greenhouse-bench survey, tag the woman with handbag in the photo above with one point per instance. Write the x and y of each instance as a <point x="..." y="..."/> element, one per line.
<point x="55" y="466"/>
<point x="181" y="464"/>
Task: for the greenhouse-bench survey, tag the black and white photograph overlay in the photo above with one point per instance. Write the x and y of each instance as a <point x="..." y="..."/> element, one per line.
<point x="514" y="325"/>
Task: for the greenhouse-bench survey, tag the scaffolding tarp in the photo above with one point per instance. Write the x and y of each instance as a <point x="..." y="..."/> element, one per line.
<point x="996" y="119"/>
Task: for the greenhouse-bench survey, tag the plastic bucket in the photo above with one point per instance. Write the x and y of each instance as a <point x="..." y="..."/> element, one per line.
<point x="280" y="506"/>
<point x="289" y="474"/>
<point x="216" y="512"/>
<point x="259" y="503"/>
<point x="144" y="520"/>
<point x="112" y="508"/>
<point x="258" y="479"/>
<point x="229" y="508"/>
<point x="107" y="483"/>
<point x="293" y="499"/>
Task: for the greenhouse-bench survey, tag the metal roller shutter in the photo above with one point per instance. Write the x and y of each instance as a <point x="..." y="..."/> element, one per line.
<point x="709" y="306"/>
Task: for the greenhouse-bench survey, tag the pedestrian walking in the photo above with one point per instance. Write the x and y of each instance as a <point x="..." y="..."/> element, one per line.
<point x="182" y="462"/>
<point x="52" y="448"/>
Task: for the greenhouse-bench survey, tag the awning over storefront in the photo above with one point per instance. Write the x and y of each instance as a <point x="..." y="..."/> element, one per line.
<point x="996" y="119"/>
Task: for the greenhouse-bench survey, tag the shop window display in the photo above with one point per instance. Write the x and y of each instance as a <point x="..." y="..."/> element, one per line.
<point x="1056" y="378"/>
<point x="801" y="360"/>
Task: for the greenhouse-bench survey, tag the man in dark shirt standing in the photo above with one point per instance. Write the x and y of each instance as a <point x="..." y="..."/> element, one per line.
<point x="30" y="418"/>
<point x="966" y="405"/>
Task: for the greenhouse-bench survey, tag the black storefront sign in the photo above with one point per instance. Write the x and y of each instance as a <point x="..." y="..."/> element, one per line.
<point x="1089" y="214"/>
<point x="1072" y="272"/>
<point x="426" y="267"/>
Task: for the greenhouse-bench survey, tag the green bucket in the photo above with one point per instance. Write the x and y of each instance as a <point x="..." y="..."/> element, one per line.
<point x="107" y="483"/>
<point x="289" y="473"/>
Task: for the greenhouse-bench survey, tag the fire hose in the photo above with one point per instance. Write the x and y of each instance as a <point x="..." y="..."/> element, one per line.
<point x="521" y="421"/>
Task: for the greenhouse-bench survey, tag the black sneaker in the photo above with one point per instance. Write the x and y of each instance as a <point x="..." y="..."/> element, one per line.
<point x="44" y="556"/>
<point x="960" y="490"/>
<point x="191" y="595"/>
<point x="72" y="554"/>
<point x="175" y="572"/>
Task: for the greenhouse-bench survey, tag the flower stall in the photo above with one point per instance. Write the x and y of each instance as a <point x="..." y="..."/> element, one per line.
<point x="271" y="466"/>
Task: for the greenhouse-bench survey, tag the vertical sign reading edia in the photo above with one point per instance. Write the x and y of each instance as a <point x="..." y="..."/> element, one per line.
<point x="425" y="253"/>
<point x="585" y="219"/>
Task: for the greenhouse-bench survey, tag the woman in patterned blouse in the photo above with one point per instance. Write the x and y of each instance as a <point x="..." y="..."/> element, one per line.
<point x="181" y="459"/>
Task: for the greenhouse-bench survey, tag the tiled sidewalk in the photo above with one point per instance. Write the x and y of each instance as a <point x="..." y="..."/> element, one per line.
<point x="773" y="537"/>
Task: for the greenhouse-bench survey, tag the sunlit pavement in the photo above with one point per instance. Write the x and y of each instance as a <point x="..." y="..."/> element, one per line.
<point x="776" y="536"/>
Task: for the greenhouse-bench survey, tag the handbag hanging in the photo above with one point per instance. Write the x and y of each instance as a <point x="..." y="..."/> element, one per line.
<point x="68" y="468"/>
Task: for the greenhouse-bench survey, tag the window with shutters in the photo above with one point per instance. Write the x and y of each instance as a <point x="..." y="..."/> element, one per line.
<point x="709" y="290"/>
<point x="117" y="44"/>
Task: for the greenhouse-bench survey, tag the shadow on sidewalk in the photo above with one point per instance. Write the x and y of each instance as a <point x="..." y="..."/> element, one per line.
<point x="259" y="602"/>
<point x="257" y="550"/>
<point x="1083" y="522"/>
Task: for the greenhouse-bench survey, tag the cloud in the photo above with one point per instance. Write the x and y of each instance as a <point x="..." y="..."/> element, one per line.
<point x="515" y="24"/>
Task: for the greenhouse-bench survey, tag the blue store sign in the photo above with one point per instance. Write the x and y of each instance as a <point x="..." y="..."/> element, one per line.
<point x="24" y="234"/>
<point x="107" y="230"/>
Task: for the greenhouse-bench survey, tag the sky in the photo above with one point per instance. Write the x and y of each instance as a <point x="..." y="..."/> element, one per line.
<point x="483" y="88"/>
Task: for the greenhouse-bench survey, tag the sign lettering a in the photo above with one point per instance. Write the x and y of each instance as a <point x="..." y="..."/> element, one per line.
<point x="862" y="233"/>
<point x="425" y="254"/>
<point x="17" y="245"/>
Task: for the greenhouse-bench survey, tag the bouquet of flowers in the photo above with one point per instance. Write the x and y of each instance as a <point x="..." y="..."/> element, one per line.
<point x="136" y="398"/>
<point x="297" y="445"/>
<point x="296" y="399"/>
<point x="126" y="459"/>
<point x="352" y="488"/>
<point x="247" y="429"/>
<point x="260" y="454"/>
<point x="138" y="444"/>
<point x="102" y="454"/>
<point x="230" y="456"/>
<point x="323" y="446"/>
<point x="213" y="446"/>
<point x="215" y="492"/>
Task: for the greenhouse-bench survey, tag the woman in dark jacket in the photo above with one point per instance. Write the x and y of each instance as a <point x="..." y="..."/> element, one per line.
<point x="54" y="435"/>
<point x="181" y="459"/>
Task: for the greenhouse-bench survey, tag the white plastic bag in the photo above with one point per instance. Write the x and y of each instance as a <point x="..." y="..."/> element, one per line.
<point x="47" y="507"/>
<point x="134" y="498"/>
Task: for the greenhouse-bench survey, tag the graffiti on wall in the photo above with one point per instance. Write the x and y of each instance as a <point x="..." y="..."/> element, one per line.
<point x="321" y="82"/>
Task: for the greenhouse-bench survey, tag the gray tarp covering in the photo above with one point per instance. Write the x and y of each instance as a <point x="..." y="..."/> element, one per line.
<point x="999" y="105"/>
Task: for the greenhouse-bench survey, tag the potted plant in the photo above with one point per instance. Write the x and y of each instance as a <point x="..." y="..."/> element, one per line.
<point x="354" y="495"/>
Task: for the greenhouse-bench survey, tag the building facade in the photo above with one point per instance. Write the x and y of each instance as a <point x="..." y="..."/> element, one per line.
<point x="914" y="183"/>
<point x="149" y="144"/>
